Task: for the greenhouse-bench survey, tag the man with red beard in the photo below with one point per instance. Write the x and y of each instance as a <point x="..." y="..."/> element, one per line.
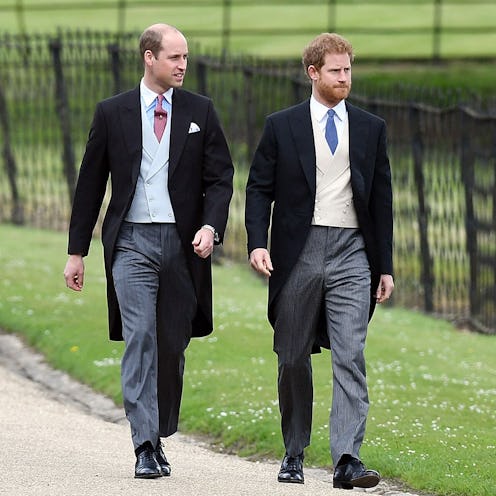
<point x="320" y="178"/>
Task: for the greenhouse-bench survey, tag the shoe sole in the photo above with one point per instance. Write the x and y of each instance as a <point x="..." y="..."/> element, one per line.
<point x="363" y="482"/>
<point x="147" y="476"/>
<point x="291" y="481"/>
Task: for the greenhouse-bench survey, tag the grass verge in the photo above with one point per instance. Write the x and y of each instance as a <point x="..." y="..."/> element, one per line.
<point x="398" y="29"/>
<point x="432" y="388"/>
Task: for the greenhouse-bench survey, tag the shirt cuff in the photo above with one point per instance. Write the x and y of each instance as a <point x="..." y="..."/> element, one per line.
<point x="213" y="231"/>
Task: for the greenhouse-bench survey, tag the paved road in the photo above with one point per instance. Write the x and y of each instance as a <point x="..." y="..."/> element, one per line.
<point x="58" y="437"/>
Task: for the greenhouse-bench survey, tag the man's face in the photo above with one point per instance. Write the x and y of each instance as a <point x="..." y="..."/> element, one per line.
<point x="332" y="83"/>
<point x="168" y="69"/>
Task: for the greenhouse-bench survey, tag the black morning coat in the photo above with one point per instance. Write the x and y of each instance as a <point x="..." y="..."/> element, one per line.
<point x="283" y="175"/>
<point x="199" y="183"/>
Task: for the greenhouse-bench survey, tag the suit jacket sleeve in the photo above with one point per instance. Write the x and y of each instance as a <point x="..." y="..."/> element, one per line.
<point x="217" y="175"/>
<point x="380" y="206"/>
<point x="260" y="189"/>
<point x="91" y="186"/>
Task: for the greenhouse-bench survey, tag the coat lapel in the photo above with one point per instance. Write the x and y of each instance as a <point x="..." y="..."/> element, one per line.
<point x="301" y="128"/>
<point x="130" y="120"/>
<point x="149" y="141"/>
<point x="359" y="132"/>
<point x="181" y="119"/>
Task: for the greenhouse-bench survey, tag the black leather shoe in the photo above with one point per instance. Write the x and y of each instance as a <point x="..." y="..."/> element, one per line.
<point x="164" y="465"/>
<point x="291" y="469"/>
<point x="354" y="474"/>
<point x="146" y="465"/>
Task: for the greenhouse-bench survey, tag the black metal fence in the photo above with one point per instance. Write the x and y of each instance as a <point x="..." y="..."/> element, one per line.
<point x="443" y="155"/>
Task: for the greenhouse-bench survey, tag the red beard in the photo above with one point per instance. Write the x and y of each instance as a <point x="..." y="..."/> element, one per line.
<point x="333" y="94"/>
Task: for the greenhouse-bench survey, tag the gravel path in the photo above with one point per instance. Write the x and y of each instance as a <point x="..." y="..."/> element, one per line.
<point x="58" y="437"/>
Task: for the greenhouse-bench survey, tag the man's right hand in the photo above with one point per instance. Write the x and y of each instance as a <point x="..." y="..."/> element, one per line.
<point x="261" y="262"/>
<point x="74" y="272"/>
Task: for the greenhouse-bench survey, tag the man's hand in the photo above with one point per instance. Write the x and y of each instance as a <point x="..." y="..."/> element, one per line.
<point x="385" y="288"/>
<point x="203" y="242"/>
<point x="261" y="262"/>
<point x="74" y="272"/>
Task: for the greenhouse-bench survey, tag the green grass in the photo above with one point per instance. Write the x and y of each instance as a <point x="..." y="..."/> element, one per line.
<point x="473" y="78"/>
<point x="447" y="76"/>
<point x="410" y="24"/>
<point x="432" y="388"/>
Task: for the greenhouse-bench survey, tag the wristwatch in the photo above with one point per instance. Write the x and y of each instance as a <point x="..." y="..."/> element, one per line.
<point x="213" y="231"/>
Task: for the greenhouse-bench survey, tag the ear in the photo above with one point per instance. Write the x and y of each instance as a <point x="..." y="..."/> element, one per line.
<point x="148" y="57"/>
<point x="313" y="72"/>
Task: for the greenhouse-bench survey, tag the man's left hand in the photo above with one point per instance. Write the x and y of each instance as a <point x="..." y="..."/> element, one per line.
<point x="203" y="242"/>
<point x="385" y="288"/>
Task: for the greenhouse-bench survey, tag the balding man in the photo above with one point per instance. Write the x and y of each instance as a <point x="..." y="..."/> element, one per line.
<point x="171" y="182"/>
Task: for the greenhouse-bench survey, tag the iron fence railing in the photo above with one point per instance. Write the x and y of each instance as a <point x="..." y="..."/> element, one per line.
<point x="442" y="149"/>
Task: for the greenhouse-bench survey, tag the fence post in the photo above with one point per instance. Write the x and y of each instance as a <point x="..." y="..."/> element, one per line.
<point x="63" y="111"/>
<point x="331" y="16"/>
<point x="17" y="215"/>
<point x="249" y="112"/>
<point x="226" y="27"/>
<point x="468" y="178"/>
<point x="121" y="16"/>
<point x="437" y="30"/>
<point x="492" y="295"/>
<point x="21" y="18"/>
<point x="201" y="76"/>
<point x="114" y="51"/>
<point x="296" y="86"/>
<point x="427" y="276"/>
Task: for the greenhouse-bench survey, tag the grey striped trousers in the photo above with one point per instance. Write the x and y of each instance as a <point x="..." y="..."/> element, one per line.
<point x="332" y="275"/>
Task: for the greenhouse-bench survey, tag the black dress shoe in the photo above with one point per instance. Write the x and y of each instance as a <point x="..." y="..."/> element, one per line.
<point x="164" y="465"/>
<point x="146" y="465"/>
<point x="354" y="474"/>
<point x="291" y="469"/>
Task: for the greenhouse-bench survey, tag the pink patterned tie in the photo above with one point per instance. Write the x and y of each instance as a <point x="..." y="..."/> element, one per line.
<point x="160" y="118"/>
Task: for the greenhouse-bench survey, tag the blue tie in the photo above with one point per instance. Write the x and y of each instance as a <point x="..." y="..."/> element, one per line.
<point x="330" y="131"/>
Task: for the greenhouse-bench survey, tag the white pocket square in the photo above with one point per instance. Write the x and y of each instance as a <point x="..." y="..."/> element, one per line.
<point x="193" y="128"/>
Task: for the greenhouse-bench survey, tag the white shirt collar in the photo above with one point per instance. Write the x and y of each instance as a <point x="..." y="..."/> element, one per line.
<point x="149" y="96"/>
<point x="320" y="111"/>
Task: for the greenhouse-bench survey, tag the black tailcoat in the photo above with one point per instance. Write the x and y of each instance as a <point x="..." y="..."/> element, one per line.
<point x="283" y="176"/>
<point x="199" y="183"/>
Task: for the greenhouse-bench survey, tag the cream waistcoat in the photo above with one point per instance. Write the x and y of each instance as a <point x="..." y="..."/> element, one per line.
<point x="334" y="197"/>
